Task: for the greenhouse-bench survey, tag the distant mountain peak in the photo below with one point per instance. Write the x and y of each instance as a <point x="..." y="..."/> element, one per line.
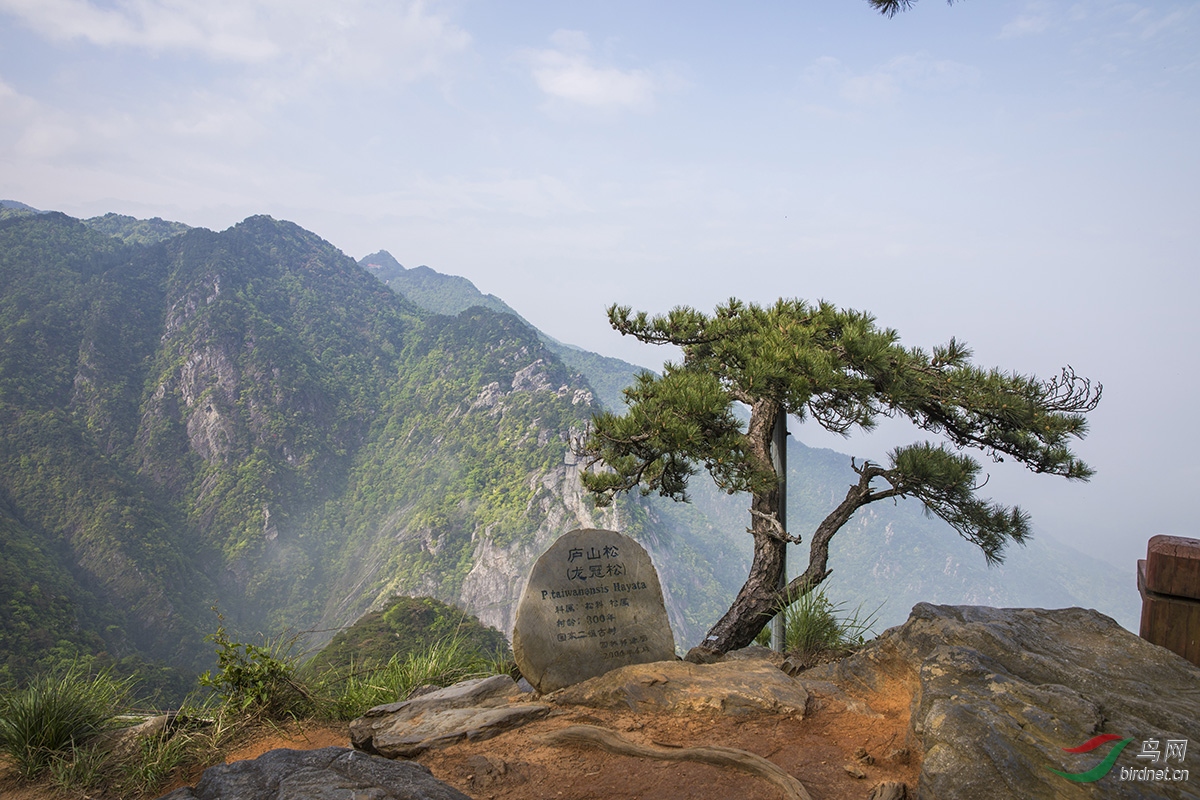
<point x="14" y="208"/>
<point x="132" y="230"/>
<point x="432" y="290"/>
<point x="381" y="260"/>
<point x="19" y="206"/>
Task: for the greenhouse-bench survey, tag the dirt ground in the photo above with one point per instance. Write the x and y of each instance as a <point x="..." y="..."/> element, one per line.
<point x="814" y="750"/>
<point x="517" y="766"/>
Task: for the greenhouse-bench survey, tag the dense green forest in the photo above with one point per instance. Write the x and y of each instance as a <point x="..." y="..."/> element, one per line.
<point x="887" y="560"/>
<point x="250" y="419"/>
<point x="451" y="294"/>
<point x="132" y="230"/>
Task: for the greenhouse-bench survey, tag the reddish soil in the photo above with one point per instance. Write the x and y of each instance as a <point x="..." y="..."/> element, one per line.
<point x="815" y="750"/>
<point x="516" y="766"/>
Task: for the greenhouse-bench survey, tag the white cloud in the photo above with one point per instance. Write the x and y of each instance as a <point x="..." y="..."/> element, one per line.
<point x="568" y="73"/>
<point x="36" y="132"/>
<point x="571" y="40"/>
<point x="888" y="82"/>
<point x="1152" y="24"/>
<point x="220" y="30"/>
<point x="11" y="99"/>
<point x="1025" y="25"/>
<point x="1035" y="19"/>
<point x="538" y="196"/>
<point x="208" y="116"/>
<point x="350" y="38"/>
<point x="375" y="40"/>
<point x="30" y="131"/>
<point x="1122" y="20"/>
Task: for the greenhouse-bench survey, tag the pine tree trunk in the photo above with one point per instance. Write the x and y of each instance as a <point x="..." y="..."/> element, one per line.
<point x="758" y="600"/>
<point x="755" y="604"/>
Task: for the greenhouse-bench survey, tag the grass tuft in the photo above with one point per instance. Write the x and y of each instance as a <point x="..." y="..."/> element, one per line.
<point x="49" y="728"/>
<point x="446" y="661"/>
<point x="81" y="768"/>
<point x="814" y="624"/>
<point x="54" y="713"/>
<point x="156" y="760"/>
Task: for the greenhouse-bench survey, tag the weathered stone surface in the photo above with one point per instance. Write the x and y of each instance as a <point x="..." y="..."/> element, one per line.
<point x="409" y="738"/>
<point x="332" y="773"/>
<point x="756" y="653"/>
<point x="999" y="694"/>
<point x="475" y="710"/>
<point x="593" y="603"/>
<point x="736" y="687"/>
<point x="492" y="691"/>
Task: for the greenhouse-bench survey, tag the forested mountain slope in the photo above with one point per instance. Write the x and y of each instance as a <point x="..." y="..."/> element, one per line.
<point x="451" y="294"/>
<point x="247" y="418"/>
<point x="888" y="558"/>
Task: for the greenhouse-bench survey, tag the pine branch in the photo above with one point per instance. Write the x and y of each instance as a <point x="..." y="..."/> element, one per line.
<point x="776" y="530"/>
<point x="890" y="8"/>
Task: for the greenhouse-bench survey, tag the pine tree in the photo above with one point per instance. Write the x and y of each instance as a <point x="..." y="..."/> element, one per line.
<point x="890" y="8"/>
<point x="839" y="369"/>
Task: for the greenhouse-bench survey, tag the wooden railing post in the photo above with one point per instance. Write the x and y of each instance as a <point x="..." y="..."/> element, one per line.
<point x="1169" y="582"/>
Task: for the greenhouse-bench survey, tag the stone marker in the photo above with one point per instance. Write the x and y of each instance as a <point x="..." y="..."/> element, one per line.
<point x="593" y="603"/>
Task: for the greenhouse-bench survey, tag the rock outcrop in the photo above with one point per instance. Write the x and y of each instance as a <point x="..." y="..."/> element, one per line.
<point x="331" y="772"/>
<point x="1000" y="694"/>
<point x="475" y="709"/>
<point x="732" y="688"/>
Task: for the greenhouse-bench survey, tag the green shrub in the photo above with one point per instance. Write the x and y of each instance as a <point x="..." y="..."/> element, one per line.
<point x="55" y="712"/>
<point x="139" y="768"/>
<point x="257" y="678"/>
<point x="406" y="625"/>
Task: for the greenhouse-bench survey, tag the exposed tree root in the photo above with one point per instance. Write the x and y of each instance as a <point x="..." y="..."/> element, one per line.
<point x="717" y="756"/>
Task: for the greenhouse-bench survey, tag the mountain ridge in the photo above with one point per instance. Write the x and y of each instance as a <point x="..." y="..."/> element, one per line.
<point x="818" y="477"/>
<point x="452" y="294"/>
<point x="249" y="418"/>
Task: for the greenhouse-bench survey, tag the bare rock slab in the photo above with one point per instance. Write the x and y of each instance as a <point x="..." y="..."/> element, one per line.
<point x="331" y="773"/>
<point x="473" y="710"/>
<point x="593" y="603"/>
<point x="1000" y="694"/>
<point x="731" y="688"/>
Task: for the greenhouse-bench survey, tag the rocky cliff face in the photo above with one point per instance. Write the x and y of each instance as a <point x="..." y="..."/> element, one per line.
<point x="249" y="418"/>
<point x="477" y="550"/>
<point x="498" y="574"/>
<point x="1007" y="703"/>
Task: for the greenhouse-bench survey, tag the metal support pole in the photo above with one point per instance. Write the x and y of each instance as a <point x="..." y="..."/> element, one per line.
<point x="779" y="462"/>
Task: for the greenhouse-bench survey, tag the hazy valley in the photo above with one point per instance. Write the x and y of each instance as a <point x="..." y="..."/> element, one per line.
<point x="252" y="420"/>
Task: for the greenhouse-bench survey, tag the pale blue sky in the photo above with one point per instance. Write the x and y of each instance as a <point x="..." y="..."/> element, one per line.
<point x="1021" y="175"/>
